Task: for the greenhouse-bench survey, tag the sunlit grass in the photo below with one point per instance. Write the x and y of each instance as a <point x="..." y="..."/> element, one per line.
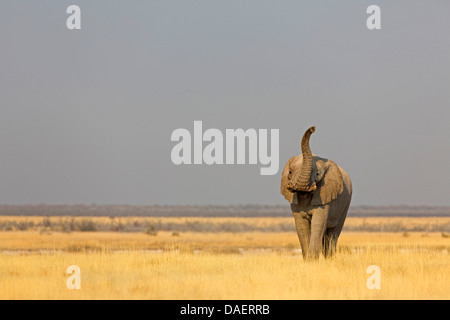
<point x="221" y="265"/>
<point x="185" y="275"/>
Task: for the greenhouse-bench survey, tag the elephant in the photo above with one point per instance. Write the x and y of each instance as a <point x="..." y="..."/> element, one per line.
<point x="319" y="192"/>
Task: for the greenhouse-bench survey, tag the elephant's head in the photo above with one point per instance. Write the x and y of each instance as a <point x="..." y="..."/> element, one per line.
<point x="308" y="174"/>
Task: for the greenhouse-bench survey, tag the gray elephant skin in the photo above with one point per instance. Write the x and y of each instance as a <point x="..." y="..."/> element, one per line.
<point x="319" y="192"/>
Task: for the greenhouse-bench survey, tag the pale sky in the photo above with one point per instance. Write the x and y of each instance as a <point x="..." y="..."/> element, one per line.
<point x="87" y="115"/>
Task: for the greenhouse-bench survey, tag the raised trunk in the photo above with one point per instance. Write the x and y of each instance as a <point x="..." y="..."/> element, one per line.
<point x="303" y="182"/>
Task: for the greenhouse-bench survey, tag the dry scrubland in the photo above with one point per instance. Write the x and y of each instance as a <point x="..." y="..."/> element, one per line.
<point x="219" y="258"/>
<point x="152" y="225"/>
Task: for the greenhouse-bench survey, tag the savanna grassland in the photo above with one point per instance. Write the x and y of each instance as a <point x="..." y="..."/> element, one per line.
<point x="219" y="258"/>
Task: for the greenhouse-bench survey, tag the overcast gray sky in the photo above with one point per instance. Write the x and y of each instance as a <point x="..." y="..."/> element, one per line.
<point x="87" y="115"/>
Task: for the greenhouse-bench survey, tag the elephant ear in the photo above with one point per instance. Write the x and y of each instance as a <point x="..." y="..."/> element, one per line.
<point x="330" y="186"/>
<point x="284" y="181"/>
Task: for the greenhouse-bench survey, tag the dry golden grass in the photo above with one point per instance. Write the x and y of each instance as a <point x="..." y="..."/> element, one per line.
<point x="247" y="265"/>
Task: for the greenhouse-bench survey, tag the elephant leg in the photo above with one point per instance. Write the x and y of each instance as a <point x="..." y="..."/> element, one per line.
<point x="333" y="234"/>
<point x="304" y="233"/>
<point x="329" y="242"/>
<point x="326" y="244"/>
<point x="318" y="226"/>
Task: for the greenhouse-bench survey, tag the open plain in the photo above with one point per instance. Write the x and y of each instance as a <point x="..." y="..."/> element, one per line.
<point x="219" y="258"/>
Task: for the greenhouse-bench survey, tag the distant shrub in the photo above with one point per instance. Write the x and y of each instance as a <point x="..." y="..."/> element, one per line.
<point x="118" y="227"/>
<point x="86" y="225"/>
<point x="152" y="229"/>
<point x="46" y="222"/>
<point x="24" y="225"/>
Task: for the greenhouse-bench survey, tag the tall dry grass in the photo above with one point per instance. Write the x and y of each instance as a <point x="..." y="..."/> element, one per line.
<point x="223" y="265"/>
<point x="405" y="274"/>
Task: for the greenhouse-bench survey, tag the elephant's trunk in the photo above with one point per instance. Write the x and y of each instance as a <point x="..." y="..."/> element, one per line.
<point x="303" y="181"/>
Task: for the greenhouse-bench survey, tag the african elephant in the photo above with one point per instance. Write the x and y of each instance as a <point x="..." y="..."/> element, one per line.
<point x="319" y="192"/>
